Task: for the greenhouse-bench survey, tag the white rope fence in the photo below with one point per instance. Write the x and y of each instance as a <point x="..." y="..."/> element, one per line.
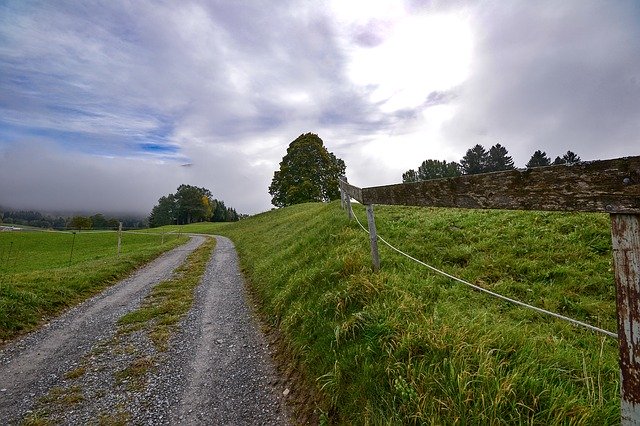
<point x="491" y="293"/>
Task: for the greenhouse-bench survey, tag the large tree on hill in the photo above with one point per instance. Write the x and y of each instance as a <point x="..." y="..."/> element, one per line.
<point x="539" y="159"/>
<point x="475" y="161"/>
<point x="308" y="172"/>
<point x="498" y="160"/>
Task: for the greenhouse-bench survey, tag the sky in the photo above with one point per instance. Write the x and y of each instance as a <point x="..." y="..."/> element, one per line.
<point x="105" y="106"/>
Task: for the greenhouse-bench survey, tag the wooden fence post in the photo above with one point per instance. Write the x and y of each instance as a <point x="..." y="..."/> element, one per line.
<point x="345" y="197"/>
<point x="348" y="202"/>
<point x="625" y="237"/>
<point x="119" y="236"/>
<point x="373" y="237"/>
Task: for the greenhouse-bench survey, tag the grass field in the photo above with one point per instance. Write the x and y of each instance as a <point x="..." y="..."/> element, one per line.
<point x="406" y="346"/>
<point x="403" y="345"/>
<point x="42" y="273"/>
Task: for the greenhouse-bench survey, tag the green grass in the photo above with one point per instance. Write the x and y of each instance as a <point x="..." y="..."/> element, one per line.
<point x="40" y="276"/>
<point x="406" y="346"/>
<point x="193" y="228"/>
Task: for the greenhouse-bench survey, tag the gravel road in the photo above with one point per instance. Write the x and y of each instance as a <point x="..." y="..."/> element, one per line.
<point x="217" y="369"/>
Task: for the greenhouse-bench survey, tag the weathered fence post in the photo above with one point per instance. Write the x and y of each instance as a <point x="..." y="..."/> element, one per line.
<point x="373" y="237"/>
<point x="342" y="192"/>
<point x="346" y="198"/>
<point x="119" y="236"/>
<point x="348" y="202"/>
<point x="625" y="236"/>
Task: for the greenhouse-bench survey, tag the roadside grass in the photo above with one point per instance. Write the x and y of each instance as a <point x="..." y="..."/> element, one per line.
<point x="40" y="277"/>
<point x="209" y="228"/>
<point x="406" y="346"/>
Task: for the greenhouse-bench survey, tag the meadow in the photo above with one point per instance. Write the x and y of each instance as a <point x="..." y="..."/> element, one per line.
<point x="42" y="273"/>
<point x="407" y="346"/>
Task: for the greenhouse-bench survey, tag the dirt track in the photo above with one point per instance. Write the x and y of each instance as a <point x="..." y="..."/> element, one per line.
<point x="216" y="371"/>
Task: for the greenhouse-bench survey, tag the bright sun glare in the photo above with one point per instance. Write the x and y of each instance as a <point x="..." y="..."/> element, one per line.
<point x="416" y="54"/>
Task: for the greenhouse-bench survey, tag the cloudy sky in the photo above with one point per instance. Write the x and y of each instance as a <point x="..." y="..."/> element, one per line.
<point x="106" y="106"/>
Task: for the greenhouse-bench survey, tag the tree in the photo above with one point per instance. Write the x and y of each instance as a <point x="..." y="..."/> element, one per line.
<point x="99" y="222"/>
<point x="568" y="159"/>
<point x="410" y="176"/>
<point x="165" y="212"/>
<point x="498" y="160"/>
<point x="435" y="169"/>
<point x="80" y="222"/>
<point x="475" y="161"/>
<point x="308" y="172"/>
<point x="219" y="212"/>
<point x="539" y="159"/>
<point x="190" y="206"/>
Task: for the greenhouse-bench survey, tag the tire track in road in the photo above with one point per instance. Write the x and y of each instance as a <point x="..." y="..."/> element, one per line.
<point x="229" y="375"/>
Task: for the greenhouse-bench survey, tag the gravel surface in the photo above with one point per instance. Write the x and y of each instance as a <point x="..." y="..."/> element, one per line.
<point x="217" y="369"/>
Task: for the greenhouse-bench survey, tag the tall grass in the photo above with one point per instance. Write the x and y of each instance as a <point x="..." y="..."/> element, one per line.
<point x="43" y="273"/>
<point x="406" y="346"/>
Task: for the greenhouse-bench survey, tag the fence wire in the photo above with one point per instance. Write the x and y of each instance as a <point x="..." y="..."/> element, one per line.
<point x="489" y="292"/>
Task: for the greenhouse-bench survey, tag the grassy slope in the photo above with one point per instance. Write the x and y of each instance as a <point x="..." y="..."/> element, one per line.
<point x="406" y="346"/>
<point x="37" y="280"/>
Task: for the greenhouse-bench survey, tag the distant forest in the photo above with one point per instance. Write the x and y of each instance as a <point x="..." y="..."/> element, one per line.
<point x="59" y="222"/>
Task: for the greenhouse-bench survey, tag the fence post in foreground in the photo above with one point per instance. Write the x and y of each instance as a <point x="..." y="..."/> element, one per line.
<point x="373" y="237"/>
<point x="119" y="236"/>
<point x="625" y="237"/>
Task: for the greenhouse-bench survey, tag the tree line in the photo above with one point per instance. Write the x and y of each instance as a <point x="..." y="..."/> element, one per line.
<point x="479" y="160"/>
<point x="188" y="205"/>
<point x="96" y="221"/>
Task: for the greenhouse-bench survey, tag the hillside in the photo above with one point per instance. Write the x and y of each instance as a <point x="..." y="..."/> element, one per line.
<point x="407" y="346"/>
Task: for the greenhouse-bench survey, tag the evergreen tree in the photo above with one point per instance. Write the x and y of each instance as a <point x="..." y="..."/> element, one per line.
<point x="568" y="158"/>
<point x="308" y="172"/>
<point x="475" y="161"/>
<point x="498" y="160"/>
<point x="219" y="212"/>
<point x="539" y="159"/>
<point x="435" y="169"/>
<point x="410" y="176"/>
<point x="165" y="212"/>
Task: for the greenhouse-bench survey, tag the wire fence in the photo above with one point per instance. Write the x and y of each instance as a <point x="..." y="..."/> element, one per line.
<point x="20" y="252"/>
<point x="484" y="290"/>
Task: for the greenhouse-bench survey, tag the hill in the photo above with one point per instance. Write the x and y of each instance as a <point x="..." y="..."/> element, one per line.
<point x="407" y="346"/>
